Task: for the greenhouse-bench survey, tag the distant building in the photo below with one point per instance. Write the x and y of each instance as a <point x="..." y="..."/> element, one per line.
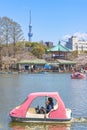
<point x="48" y="44"/>
<point x="75" y="44"/>
<point x="59" y="51"/>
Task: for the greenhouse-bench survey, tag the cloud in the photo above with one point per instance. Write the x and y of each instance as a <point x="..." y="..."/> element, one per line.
<point x="66" y="37"/>
<point x="80" y="36"/>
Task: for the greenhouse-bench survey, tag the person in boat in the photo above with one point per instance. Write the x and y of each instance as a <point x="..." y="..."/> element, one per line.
<point x="49" y="106"/>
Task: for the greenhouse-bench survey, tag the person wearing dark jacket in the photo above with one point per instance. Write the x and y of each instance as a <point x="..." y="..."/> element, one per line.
<point x="49" y="106"/>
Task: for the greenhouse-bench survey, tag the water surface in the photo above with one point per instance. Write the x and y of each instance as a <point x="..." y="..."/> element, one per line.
<point x="15" y="88"/>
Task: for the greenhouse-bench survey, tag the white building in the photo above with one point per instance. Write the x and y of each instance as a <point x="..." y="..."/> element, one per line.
<point x="75" y="44"/>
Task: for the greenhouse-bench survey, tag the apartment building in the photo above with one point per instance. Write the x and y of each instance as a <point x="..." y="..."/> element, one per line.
<point x="75" y="44"/>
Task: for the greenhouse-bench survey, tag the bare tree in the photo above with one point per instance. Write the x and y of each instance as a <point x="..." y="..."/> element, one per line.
<point x="1" y="32"/>
<point x="6" y="30"/>
<point x="16" y="34"/>
<point x="10" y="32"/>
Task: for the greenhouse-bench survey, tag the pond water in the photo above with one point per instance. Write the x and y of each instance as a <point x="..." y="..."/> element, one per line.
<point x="15" y="88"/>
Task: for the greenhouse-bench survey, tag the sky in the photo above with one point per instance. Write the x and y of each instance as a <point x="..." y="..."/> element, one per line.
<point x="52" y="20"/>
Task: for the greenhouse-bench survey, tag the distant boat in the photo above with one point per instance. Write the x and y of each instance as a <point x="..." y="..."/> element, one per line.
<point x="78" y="75"/>
<point x="26" y="113"/>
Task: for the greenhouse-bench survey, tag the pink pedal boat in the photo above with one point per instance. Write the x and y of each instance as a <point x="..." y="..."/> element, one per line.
<point x="26" y="112"/>
<point x="78" y="75"/>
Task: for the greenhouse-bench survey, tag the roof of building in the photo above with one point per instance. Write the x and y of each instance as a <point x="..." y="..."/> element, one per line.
<point x="60" y="61"/>
<point x="35" y="61"/>
<point x="42" y="61"/>
<point x="59" y="47"/>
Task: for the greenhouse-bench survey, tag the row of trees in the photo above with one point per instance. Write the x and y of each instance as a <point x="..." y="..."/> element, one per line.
<point x="10" y="31"/>
<point x="12" y="40"/>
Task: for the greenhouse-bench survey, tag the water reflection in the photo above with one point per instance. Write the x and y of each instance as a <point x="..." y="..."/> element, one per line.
<point x="32" y="126"/>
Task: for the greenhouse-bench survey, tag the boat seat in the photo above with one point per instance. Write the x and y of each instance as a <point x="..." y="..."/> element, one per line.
<point x="32" y="110"/>
<point x="55" y="106"/>
<point x="31" y="113"/>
